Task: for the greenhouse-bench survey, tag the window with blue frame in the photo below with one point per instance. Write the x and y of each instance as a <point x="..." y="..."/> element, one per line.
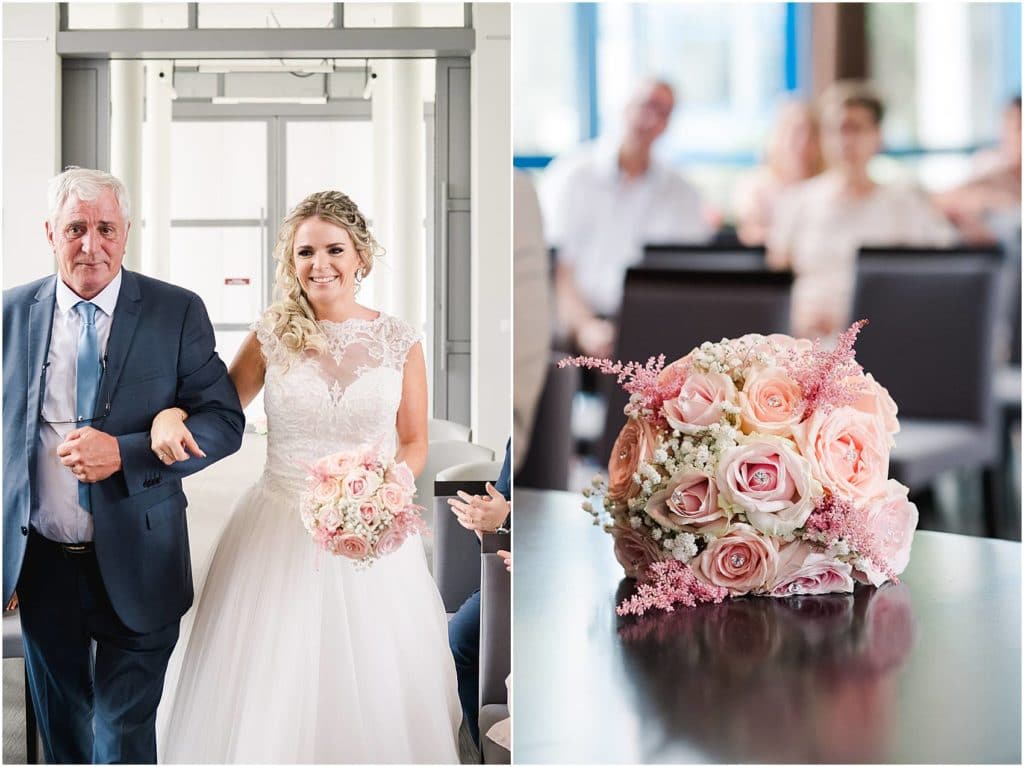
<point x="945" y="70"/>
<point x="730" y="64"/>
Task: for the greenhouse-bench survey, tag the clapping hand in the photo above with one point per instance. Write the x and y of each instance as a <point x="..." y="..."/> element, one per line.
<point x="481" y="514"/>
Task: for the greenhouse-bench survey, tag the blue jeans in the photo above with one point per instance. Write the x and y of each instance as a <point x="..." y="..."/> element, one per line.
<point x="464" y="640"/>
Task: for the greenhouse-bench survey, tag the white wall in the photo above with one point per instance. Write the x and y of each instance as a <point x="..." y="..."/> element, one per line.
<point x="491" y="226"/>
<point x="31" y="133"/>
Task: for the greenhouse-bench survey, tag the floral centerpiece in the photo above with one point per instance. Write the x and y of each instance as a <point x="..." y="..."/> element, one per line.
<point x="359" y="505"/>
<point x="755" y="465"/>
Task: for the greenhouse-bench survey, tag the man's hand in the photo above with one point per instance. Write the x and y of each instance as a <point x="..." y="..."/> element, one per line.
<point x="92" y="455"/>
<point x="13" y="604"/>
<point x="507" y="556"/>
<point x="480" y="514"/>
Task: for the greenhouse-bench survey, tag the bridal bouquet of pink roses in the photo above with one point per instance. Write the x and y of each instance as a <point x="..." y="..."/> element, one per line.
<point x="359" y="505"/>
<point x="755" y="465"/>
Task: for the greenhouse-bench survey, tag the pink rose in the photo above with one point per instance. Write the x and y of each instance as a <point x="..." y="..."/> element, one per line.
<point x="369" y="512"/>
<point x="400" y="474"/>
<point x="875" y="400"/>
<point x="768" y="481"/>
<point x="351" y="546"/>
<point x="688" y="502"/>
<point x="389" y="541"/>
<point x="636" y="442"/>
<point x="408" y="521"/>
<point x="698" y="404"/>
<point x="777" y="345"/>
<point x="330" y="518"/>
<point x="770" y="402"/>
<point x="892" y="520"/>
<point x="804" y="569"/>
<point x="360" y="484"/>
<point x="671" y="378"/>
<point x="848" y="451"/>
<point x="786" y="343"/>
<point x="394" y="497"/>
<point x="741" y="561"/>
<point x="635" y="550"/>
<point x="326" y="491"/>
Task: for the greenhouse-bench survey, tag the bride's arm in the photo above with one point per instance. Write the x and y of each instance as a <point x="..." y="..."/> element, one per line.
<point x="412" y="413"/>
<point x="248" y="370"/>
<point x="170" y="438"/>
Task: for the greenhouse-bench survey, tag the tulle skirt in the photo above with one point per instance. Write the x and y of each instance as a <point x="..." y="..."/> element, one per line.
<point x="296" y="656"/>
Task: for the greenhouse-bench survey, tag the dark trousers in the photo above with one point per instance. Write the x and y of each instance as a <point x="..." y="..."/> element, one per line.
<point x="91" y="706"/>
<point x="464" y="640"/>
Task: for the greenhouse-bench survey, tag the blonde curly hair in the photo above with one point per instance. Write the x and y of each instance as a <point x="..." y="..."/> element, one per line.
<point x="294" y="321"/>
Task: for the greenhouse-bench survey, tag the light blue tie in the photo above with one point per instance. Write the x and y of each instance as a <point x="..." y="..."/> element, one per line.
<point x="89" y="369"/>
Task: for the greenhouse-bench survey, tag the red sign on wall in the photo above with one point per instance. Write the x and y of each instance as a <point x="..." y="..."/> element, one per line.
<point x="236" y="280"/>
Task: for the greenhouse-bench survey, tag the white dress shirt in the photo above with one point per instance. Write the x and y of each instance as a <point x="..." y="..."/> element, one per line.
<point x="821" y="233"/>
<point x="600" y="220"/>
<point x="58" y="515"/>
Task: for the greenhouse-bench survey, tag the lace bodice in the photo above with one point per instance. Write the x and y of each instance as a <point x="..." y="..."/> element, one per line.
<point x="340" y="399"/>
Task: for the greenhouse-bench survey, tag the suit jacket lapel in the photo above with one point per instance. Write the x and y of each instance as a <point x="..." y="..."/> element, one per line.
<point x="122" y="329"/>
<point x="40" y="327"/>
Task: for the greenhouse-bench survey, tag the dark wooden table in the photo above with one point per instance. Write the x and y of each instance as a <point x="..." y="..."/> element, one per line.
<point x="925" y="671"/>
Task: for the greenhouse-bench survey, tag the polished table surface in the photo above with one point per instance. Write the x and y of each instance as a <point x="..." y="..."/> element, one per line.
<point x="924" y="671"/>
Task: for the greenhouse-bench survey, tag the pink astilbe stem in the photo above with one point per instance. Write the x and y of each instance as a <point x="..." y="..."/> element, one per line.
<point x="638" y="380"/>
<point x="835" y="518"/>
<point x="666" y="584"/>
<point x="828" y="379"/>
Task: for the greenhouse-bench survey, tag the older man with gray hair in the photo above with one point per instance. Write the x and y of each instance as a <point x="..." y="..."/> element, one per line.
<point x="95" y="539"/>
<point x="604" y="202"/>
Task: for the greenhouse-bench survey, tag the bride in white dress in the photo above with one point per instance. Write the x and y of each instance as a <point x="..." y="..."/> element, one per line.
<point x="295" y="656"/>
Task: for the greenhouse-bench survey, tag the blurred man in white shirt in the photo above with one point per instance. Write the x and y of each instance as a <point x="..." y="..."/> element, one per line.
<point x="602" y="204"/>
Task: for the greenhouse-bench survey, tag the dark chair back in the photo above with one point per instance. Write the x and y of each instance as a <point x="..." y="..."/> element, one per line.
<point x="495" y="620"/>
<point x="456" y="549"/>
<point x="671" y="311"/>
<point x="932" y="316"/>
<point x="546" y="466"/>
<point x="713" y="257"/>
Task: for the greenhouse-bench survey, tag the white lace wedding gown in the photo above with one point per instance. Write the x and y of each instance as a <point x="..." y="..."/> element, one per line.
<point x="295" y="656"/>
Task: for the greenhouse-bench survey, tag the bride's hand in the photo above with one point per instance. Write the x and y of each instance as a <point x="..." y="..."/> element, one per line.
<point x="169" y="438"/>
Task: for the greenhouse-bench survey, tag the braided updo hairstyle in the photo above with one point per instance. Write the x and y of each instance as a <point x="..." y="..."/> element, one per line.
<point x="294" y="321"/>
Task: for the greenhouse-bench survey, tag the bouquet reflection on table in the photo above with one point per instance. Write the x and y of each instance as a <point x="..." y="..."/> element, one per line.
<point x="747" y="676"/>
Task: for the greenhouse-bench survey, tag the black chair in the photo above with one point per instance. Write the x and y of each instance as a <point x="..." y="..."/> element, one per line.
<point x="456" y="549"/>
<point x="671" y="311"/>
<point x="932" y="317"/>
<point x="495" y="643"/>
<point x="727" y="256"/>
<point x="546" y="464"/>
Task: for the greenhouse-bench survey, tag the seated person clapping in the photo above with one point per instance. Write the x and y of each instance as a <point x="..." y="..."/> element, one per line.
<point x="481" y="514"/>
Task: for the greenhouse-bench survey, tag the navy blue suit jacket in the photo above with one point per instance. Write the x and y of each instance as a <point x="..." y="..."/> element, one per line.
<point x="160" y="354"/>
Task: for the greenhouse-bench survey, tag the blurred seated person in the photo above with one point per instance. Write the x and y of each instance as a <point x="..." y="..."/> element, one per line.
<point x="820" y="224"/>
<point x="602" y="203"/>
<point x="481" y="514"/>
<point x="793" y="155"/>
<point x="986" y="209"/>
